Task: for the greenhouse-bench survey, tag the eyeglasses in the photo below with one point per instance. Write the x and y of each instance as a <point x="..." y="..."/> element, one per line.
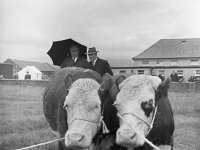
<point x="73" y="51"/>
<point x="91" y="54"/>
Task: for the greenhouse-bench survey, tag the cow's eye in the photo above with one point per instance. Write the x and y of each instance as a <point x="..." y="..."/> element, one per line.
<point x="97" y="106"/>
<point x="115" y="104"/>
<point x="147" y="107"/>
<point x="66" y="106"/>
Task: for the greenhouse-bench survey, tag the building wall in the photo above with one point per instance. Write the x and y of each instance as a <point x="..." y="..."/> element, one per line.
<point x="46" y="75"/>
<point x="167" y="62"/>
<point x="122" y="70"/>
<point x="6" y="70"/>
<point x="16" y="68"/>
<point x="130" y="70"/>
<point x="187" y="63"/>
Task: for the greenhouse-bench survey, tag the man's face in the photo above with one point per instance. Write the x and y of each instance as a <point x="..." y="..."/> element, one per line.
<point x="92" y="56"/>
<point x="74" y="51"/>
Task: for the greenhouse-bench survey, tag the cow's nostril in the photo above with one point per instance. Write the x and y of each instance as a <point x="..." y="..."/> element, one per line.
<point x="127" y="134"/>
<point x="75" y="137"/>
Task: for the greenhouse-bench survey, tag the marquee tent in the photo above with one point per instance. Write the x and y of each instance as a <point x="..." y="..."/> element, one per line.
<point x="33" y="71"/>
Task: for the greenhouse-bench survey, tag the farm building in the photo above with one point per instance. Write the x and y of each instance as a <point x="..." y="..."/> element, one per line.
<point x="167" y="55"/>
<point x="6" y="71"/>
<point x="121" y="66"/>
<point x="32" y="70"/>
<point x="46" y="69"/>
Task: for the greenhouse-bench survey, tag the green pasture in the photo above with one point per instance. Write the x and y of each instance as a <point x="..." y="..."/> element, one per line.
<point x="22" y="122"/>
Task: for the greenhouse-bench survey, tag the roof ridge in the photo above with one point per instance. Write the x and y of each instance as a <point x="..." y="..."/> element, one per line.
<point x="180" y="39"/>
<point x="147" y="48"/>
<point x="42" y="66"/>
<point x="27" y="61"/>
<point x="171" y="48"/>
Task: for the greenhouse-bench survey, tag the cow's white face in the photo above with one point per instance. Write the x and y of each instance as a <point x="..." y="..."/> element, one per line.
<point x="135" y="102"/>
<point x="83" y="107"/>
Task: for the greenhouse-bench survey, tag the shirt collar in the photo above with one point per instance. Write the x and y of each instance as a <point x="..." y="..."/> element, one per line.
<point x="94" y="62"/>
<point x="75" y="59"/>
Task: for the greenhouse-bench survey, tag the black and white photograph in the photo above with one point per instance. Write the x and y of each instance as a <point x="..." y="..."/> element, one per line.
<point x="99" y="75"/>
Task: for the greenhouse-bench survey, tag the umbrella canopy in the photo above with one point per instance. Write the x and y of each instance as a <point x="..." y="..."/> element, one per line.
<point x="61" y="49"/>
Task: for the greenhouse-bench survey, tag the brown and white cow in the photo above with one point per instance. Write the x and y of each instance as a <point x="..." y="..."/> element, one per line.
<point x="140" y="99"/>
<point x="74" y="102"/>
<point x="83" y="106"/>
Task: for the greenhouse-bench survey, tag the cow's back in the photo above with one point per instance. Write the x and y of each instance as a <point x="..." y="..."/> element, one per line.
<point x="54" y="95"/>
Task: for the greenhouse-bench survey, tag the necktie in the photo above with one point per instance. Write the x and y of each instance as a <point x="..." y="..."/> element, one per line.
<point x="93" y="63"/>
<point x="73" y="61"/>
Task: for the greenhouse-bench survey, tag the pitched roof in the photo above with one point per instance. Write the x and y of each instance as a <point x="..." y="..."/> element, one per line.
<point x="120" y="63"/>
<point x="172" y="48"/>
<point x="38" y="65"/>
<point x="32" y="68"/>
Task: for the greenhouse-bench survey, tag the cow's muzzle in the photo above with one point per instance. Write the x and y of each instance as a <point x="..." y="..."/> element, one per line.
<point x="76" y="140"/>
<point x="128" y="138"/>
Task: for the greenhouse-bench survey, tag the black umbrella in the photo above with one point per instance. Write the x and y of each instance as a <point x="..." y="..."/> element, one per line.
<point x="60" y="50"/>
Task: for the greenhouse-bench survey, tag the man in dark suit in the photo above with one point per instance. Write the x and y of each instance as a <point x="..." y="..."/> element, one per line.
<point x="75" y="60"/>
<point x="99" y="65"/>
<point x="27" y="76"/>
<point x="174" y="77"/>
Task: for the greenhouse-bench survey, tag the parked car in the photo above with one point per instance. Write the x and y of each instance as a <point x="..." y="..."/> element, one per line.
<point x="194" y="79"/>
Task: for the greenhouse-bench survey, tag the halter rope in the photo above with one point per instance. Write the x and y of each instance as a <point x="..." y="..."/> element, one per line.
<point x="105" y="129"/>
<point x="149" y="125"/>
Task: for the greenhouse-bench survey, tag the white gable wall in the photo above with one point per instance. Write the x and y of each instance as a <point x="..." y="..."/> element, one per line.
<point x="33" y="71"/>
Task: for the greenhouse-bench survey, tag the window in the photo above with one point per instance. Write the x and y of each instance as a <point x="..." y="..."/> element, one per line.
<point x="174" y="61"/>
<point x="154" y="72"/>
<point x="132" y="71"/>
<point x="145" y="62"/>
<point x="159" y="62"/>
<point x="194" y="61"/>
<point x="197" y="72"/>
<point x="180" y="72"/>
<point x="161" y="72"/>
<point x="122" y="71"/>
<point x="140" y="71"/>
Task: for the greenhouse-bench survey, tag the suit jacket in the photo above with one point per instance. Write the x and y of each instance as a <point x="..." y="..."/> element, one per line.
<point x="101" y="66"/>
<point x="174" y="77"/>
<point x="80" y="62"/>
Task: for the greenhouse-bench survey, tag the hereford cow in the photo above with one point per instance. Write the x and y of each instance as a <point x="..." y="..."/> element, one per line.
<point x="78" y="106"/>
<point x="138" y="99"/>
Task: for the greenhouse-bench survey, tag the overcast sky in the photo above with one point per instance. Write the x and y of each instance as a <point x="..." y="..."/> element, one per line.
<point x="117" y="28"/>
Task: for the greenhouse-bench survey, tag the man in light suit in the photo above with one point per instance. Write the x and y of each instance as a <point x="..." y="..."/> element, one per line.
<point x="99" y="65"/>
<point x="75" y="60"/>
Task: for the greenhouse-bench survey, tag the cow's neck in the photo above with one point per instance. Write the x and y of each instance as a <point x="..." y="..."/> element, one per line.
<point x="161" y="131"/>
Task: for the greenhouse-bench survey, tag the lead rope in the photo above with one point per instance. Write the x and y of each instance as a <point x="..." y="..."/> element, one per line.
<point x="154" y="116"/>
<point x="41" y="144"/>
<point x="105" y="129"/>
<point x="151" y="126"/>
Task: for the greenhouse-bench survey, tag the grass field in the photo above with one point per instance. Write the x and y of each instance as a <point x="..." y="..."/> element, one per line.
<point x="22" y="122"/>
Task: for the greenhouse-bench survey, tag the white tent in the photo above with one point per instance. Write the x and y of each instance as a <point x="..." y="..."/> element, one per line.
<point x="33" y="71"/>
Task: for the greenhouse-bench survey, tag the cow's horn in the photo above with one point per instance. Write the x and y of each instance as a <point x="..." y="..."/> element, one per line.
<point x="68" y="81"/>
<point x="119" y="80"/>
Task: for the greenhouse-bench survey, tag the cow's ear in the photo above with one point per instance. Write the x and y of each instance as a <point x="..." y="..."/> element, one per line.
<point x="105" y="86"/>
<point x="119" y="80"/>
<point x="163" y="88"/>
<point x="68" y="81"/>
<point x="106" y="83"/>
<point x="115" y="88"/>
<point x="166" y="84"/>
